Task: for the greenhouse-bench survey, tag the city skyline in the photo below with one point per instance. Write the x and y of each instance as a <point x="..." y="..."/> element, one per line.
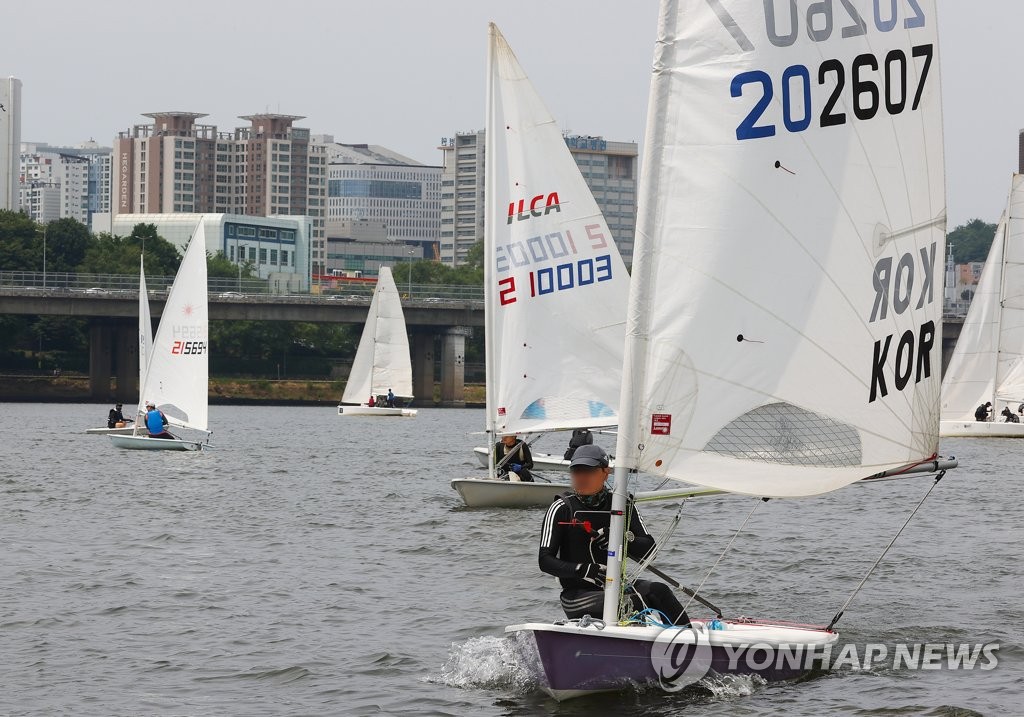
<point x="404" y="75"/>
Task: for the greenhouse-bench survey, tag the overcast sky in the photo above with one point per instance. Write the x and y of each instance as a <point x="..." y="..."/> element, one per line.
<point x="404" y="74"/>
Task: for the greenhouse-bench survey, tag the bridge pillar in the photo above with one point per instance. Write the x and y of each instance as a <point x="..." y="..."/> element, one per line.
<point x="423" y="368"/>
<point x="126" y="359"/>
<point x="453" y="367"/>
<point x="100" y="360"/>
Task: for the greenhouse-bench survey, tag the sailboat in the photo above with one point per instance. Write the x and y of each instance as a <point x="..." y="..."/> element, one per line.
<point x="382" y="360"/>
<point x="145" y="342"/>
<point x="541" y="461"/>
<point x="555" y="287"/>
<point x="988" y="362"/>
<point x="776" y="344"/>
<point x="174" y="367"/>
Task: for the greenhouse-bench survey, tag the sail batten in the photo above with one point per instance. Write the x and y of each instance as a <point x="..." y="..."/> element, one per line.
<point x="556" y="286"/>
<point x="784" y="332"/>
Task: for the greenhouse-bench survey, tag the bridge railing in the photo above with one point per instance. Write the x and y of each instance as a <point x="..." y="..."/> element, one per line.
<point x="222" y="288"/>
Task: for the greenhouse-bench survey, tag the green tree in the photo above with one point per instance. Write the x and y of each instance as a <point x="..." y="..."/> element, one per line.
<point x="475" y="256"/>
<point x="971" y="241"/>
<point x="120" y="255"/>
<point x="219" y="265"/>
<point x="435" y="273"/>
<point x="67" y="241"/>
<point x="21" y="245"/>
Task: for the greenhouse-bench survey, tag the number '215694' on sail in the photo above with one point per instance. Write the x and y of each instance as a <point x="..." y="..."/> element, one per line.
<point x="870" y="82"/>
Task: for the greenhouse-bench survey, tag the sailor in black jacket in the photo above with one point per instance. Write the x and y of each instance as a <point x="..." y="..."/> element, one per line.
<point x="574" y="544"/>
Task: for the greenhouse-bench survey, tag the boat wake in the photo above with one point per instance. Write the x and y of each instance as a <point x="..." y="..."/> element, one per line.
<point x="491" y="662"/>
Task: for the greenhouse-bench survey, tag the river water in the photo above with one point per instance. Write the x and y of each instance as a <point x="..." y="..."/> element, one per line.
<point x="317" y="565"/>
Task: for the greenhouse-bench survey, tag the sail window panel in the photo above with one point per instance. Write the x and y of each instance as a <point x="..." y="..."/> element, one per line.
<point x="783" y="433"/>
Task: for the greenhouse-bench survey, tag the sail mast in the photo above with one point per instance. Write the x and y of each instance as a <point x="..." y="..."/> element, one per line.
<point x="490" y="227"/>
<point x="1000" y="298"/>
<point x="630" y="434"/>
<point x="145" y="340"/>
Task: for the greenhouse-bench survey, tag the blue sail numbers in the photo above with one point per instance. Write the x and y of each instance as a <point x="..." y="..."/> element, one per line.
<point x="884" y="82"/>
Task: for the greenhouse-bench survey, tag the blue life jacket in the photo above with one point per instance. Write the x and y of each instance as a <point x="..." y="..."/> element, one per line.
<point x="155" y="421"/>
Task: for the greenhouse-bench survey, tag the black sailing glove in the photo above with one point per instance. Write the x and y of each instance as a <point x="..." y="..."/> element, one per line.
<point x="592" y="573"/>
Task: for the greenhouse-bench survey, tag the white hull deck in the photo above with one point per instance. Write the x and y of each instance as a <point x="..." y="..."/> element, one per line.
<point x="488" y="493"/>
<point x="344" y="410"/>
<point x="145" y="443"/>
<point x="579" y="661"/>
<point x="980" y="429"/>
<point x="125" y="431"/>
<point x="541" y="461"/>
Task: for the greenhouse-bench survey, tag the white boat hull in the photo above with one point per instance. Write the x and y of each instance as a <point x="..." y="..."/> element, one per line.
<point x="488" y="493"/>
<point x="541" y="461"/>
<point x="126" y="431"/>
<point x="980" y="429"/>
<point x="579" y="660"/>
<point x="375" y="411"/>
<point x="145" y="443"/>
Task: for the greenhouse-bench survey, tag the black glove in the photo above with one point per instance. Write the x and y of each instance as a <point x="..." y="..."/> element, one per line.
<point x="593" y="573"/>
<point x="599" y="539"/>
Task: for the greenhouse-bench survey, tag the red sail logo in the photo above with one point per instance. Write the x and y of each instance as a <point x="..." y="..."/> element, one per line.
<point x="539" y="206"/>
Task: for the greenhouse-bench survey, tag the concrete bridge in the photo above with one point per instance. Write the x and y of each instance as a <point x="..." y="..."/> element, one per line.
<point x="431" y="313"/>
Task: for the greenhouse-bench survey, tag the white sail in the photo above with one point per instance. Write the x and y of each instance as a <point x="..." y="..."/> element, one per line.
<point x="970" y="378"/>
<point x="382" y="360"/>
<point x="784" y="331"/>
<point x="145" y="333"/>
<point x="178" y="377"/>
<point x="988" y="362"/>
<point x="556" y="287"/>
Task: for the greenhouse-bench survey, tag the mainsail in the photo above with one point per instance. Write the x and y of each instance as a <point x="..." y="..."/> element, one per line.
<point x="988" y="362"/>
<point x="784" y="332"/>
<point x="177" y="380"/>
<point x="145" y="333"/>
<point x="382" y="359"/>
<point x="555" y="285"/>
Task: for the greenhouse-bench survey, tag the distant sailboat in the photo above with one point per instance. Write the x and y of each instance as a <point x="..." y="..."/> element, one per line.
<point x="176" y="377"/>
<point x="555" y="286"/>
<point x="145" y="344"/>
<point x="988" y="362"/>
<point x="776" y="345"/>
<point x="382" y="361"/>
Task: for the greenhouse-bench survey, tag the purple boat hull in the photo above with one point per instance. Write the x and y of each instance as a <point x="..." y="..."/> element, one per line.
<point x="577" y="662"/>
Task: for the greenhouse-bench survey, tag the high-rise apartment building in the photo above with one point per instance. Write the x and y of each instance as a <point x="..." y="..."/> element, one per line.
<point x="609" y="168"/>
<point x="65" y="182"/>
<point x="10" y="142"/>
<point x="370" y="183"/>
<point x="177" y="165"/>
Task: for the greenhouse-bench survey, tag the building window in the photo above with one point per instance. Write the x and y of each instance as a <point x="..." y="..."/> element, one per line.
<point x="273" y="256"/>
<point x="263" y="256"/>
<point x="252" y="255"/>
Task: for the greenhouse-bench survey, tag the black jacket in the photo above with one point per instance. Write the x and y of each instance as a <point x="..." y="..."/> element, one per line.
<point x="522" y="457"/>
<point x="565" y="547"/>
